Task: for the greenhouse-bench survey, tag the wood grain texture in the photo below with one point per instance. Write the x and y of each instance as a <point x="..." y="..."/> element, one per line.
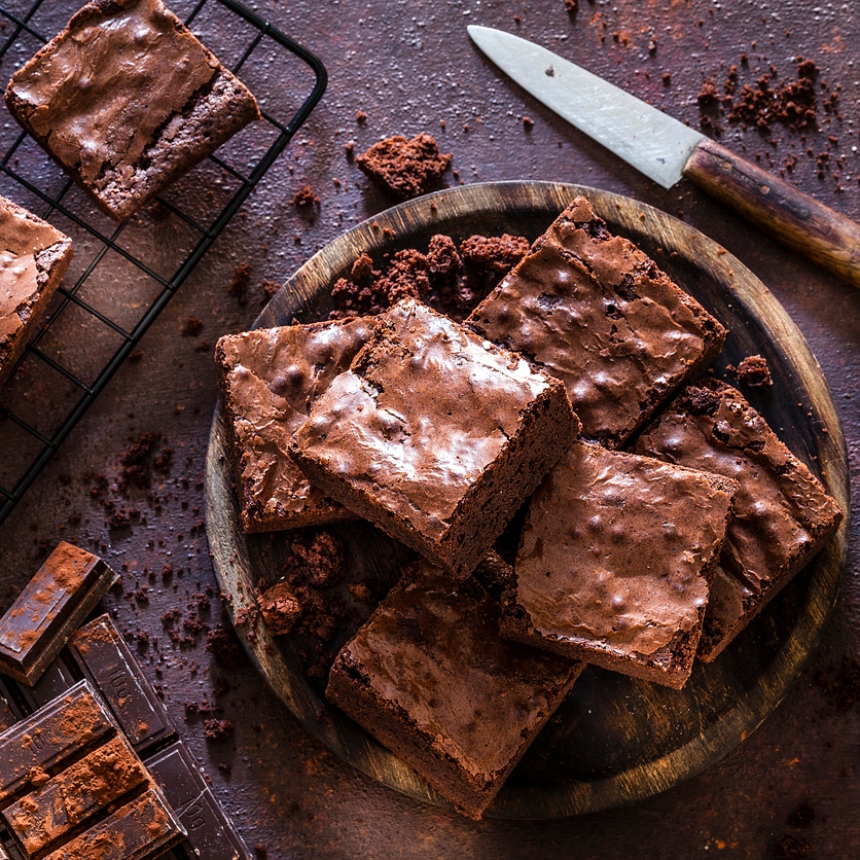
<point x="615" y="739"/>
<point x="789" y="215"/>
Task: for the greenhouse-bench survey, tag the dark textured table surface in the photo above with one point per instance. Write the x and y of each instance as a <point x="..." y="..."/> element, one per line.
<point x="791" y="790"/>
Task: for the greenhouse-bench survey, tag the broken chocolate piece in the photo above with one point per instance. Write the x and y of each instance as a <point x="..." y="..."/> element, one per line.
<point x="47" y="737"/>
<point x="210" y="832"/>
<point x="57" y="599"/>
<point x="143" y="828"/>
<point x="104" y="657"/>
<point x="75" y="794"/>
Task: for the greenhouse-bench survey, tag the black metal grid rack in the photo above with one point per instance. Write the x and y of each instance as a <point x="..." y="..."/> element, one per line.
<point x="188" y="217"/>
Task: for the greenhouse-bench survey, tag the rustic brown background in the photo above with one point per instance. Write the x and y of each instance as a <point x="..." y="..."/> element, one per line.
<point x="791" y="789"/>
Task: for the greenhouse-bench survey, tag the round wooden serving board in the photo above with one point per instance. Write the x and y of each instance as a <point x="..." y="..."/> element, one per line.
<point x="615" y="739"/>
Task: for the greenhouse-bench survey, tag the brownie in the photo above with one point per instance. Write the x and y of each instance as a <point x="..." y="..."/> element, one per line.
<point x="614" y="562"/>
<point x="435" y="435"/>
<point x="34" y="258"/>
<point x="268" y="379"/>
<point x="598" y="313"/>
<point x="429" y="676"/>
<point x="126" y="99"/>
<point x="753" y="371"/>
<point x="404" y="168"/>
<point x="782" y="513"/>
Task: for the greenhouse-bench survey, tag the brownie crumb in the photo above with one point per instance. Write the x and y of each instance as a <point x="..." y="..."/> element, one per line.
<point x="753" y="371"/>
<point x="495" y="254"/>
<point x="405" y="168"/>
<point x="280" y="608"/>
<point x="135" y="461"/>
<point x="191" y="327"/>
<point x="223" y="644"/>
<point x="218" y="730"/>
<point x="305" y="198"/>
<point x="238" y="286"/>
<point x="270" y="289"/>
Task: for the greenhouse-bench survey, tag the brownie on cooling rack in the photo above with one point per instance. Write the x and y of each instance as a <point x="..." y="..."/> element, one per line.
<point x="34" y="258"/>
<point x="598" y="313"/>
<point x="126" y="99"/>
<point x="782" y="513"/>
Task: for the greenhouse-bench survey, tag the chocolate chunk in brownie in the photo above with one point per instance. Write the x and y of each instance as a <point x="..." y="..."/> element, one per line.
<point x="405" y="168"/>
<point x="753" y="371"/>
<point x="126" y="99"/>
<point x="34" y="258"/>
<point x="430" y="677"/>
<point x="782" y="513"/>
<point x="435" y="435"/>
<point x="614" y="562"/>
<point x="596" y="312"/>
<point x="268" y="379"/>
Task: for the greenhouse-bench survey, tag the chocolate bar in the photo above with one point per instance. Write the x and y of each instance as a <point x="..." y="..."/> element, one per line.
<point x="211" y="835"/>
<point x="143" y="828"/>
<point x="106" y="660"/>
<point x="54" y="733"/>
<point x="75" y="794"/>
<point x="52" y="605"/>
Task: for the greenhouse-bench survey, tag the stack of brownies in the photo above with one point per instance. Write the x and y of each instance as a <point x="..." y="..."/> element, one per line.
<point x="638" y="560"/>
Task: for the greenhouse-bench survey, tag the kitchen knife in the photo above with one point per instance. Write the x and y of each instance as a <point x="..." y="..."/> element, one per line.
<point x="666" y="150"/>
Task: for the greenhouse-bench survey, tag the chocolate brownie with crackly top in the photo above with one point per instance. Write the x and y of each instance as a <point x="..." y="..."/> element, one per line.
<point x="126" y="99"/>
<point x="782" y="513"/>
<point x="595" y="311"/>
<point x="429" y="676"/>
<point x="435" y="435"/>
<point x="614" y="562"/>
<point x="34" y="258"/>
<point x="268" y="380"/>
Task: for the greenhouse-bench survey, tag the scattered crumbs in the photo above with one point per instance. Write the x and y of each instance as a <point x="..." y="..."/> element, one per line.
<point x="753" y="371"/>
<point x="305" y="197"/>
<point x="218" y="730"/>
<point x="238" y="286"/>
<point x="192" y="327"/>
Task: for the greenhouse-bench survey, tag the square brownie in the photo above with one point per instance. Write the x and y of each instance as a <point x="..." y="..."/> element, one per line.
<point x="595" y="311"/>
<point x="126" y="99"/>
<point x="435" y="435"/>
<point x="268" y="380"/>
<point x="34" y="258"/>
<point x="782" y="513"/>
<point x="429" y="676"/>
<point x="614" y="562"/>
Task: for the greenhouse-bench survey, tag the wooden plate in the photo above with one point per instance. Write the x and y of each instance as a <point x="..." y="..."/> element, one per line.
<point x="615" y="739"/>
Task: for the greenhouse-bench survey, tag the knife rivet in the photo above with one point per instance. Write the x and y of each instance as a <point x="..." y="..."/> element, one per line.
<point x="765" y="189"/>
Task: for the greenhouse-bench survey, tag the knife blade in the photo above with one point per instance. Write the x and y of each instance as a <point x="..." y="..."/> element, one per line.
<point x="666" y="150"/>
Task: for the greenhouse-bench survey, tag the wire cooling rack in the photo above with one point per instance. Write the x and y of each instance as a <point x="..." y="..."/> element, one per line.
<point x="122" y="276"/>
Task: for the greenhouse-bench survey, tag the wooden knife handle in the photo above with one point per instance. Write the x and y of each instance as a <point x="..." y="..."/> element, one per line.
<point x="794" y="218"/>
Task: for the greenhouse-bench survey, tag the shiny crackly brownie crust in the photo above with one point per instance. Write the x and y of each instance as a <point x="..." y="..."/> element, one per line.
<point x="615" y="561"/>
<point x="429" y="676"/>
<point x="34" y="257"/>
<point x="125" y="137"/>
<point x="782" y="513"/>
<point x="598" y="313"/>
<point x="268" y="379"/>
<point x="435" y="435"/>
